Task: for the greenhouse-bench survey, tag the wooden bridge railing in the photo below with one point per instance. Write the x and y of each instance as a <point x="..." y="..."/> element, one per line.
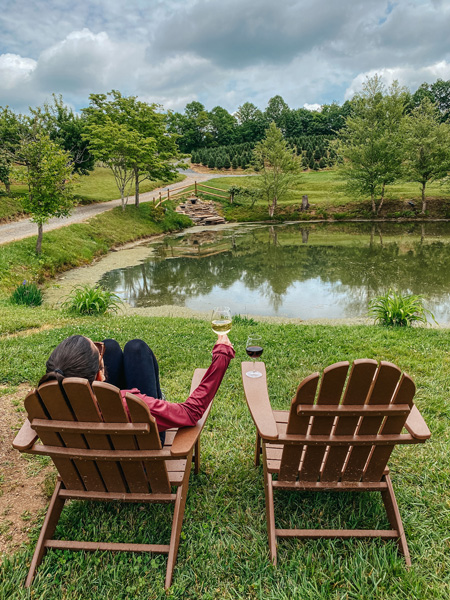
<point x="198" y="187"/>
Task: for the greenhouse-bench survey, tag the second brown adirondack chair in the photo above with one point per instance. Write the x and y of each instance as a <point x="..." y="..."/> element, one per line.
<point x="340" y="440"/>
<point x="100" y="455"/>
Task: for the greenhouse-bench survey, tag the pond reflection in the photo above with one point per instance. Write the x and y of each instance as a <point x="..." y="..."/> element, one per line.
<point x="305" y="271"/>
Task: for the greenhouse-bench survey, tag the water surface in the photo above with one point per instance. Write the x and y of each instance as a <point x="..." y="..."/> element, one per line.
<point x="304" y="271"/>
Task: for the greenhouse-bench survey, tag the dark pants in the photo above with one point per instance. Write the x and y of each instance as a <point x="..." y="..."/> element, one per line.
<point x="135" y="367"/>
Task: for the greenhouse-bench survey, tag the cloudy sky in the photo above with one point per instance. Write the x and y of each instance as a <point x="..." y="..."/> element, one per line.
<point x="220" y="52"/>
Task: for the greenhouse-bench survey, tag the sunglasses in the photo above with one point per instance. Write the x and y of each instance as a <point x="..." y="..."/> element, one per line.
<point x="100" y="347"/>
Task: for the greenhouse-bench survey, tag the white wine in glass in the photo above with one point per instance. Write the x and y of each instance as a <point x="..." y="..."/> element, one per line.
<point x="221" y="320"/>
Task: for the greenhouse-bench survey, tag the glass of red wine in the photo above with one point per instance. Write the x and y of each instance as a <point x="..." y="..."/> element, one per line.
<point x="254" y="349"/>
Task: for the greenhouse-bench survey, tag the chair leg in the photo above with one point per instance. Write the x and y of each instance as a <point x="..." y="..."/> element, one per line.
<point x="177" y="523"/>
<point x="197" y="456"/>
<point x="270" y="511"/>
<point x="393" y="514"/>
<point x="47" y="531"/>
<point x="257" y="449"/>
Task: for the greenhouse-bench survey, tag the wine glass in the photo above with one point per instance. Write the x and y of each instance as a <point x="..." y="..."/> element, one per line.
<point x="254" y="349"/>
<point x="221" y="320"/>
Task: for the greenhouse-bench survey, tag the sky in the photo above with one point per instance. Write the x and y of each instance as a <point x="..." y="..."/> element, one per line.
<point x="219" y="52"/>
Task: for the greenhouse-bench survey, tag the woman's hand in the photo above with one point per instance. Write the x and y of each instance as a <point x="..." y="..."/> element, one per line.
<point x="223" y="339"/>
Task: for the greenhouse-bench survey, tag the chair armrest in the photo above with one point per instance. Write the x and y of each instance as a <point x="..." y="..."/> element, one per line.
<point x="25" y="438"/>
<point x="186" y="437"/>
<point x="416" y="426"/>
<point x="258" y="401"/>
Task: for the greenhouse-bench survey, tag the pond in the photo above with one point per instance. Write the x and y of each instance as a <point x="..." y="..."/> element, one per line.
<point x="306" y="271"/>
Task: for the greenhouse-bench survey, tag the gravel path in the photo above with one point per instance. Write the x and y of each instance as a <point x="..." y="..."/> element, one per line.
<point x="17" y="230"/>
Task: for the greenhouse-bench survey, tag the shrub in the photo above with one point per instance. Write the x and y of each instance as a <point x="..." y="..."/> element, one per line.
<point x="27" y="293"/>
<point x="91" y="300"/>
<point x="395" y="310"/>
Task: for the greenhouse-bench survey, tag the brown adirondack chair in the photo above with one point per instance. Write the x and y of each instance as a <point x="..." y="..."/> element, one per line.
<point x="100" y="455"/>
<point x="339" y="441"/>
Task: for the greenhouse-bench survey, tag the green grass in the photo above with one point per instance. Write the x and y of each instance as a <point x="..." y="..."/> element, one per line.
<point x="325" y="191"/>
<point x="11" y="206"/>
<point x="98" y="186"/>
<point x="224" y="550"/>
<point x="79" y="244"/>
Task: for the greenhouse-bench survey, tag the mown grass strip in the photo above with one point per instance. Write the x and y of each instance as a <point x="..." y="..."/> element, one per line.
<point x="79" y="244"/>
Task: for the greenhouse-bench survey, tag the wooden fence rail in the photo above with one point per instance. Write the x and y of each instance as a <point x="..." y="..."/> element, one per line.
<point x="198" y="187"/>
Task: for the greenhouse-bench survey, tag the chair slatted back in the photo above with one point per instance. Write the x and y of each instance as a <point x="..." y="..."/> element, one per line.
<point x="113" y="411"/>
<point x="292" y="454"/>
<point x="368" y="385"/>
<point x="76" y="401"/>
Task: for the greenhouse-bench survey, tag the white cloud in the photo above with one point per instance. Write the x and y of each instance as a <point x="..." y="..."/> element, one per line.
<point x="221" y="53"/>
<point x="406" y="76"/>
<point x="313" y="107"/>
<point x="15" y="70"/>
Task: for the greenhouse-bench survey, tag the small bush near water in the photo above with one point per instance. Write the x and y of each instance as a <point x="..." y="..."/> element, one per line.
<point x="395" y="310"/>
<point x="87" y="300"/>
<point x="27" y="293"/>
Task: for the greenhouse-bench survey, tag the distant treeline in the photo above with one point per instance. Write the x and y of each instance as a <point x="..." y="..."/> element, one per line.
<point x="198" y="128"/>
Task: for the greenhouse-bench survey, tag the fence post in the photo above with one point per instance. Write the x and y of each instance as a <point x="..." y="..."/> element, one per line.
<point x="195" y="187"/>
<point x="160" y="198"/>
<point x="168" y="194"/>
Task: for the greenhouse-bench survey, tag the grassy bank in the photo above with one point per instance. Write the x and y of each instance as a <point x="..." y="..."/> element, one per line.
<point x="98" y="186"/>
<point x="79" y="244"/>
<point x="224" y="551"/>
<point x="328" y="198"/>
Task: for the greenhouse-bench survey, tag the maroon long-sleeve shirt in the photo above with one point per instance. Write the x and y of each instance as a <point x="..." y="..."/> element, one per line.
<point x="187" y="413"/>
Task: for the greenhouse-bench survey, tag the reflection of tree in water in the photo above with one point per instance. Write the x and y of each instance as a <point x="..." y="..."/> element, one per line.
<point x="270" y="260"/>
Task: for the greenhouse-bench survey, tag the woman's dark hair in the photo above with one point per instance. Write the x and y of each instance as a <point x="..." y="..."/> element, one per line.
<point x="74" y="357"/>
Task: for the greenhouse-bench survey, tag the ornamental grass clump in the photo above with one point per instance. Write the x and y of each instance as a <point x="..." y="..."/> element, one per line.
<point x="91" y="300"/>
<point x="27" y="293"/>
<point x="396" y="310"/>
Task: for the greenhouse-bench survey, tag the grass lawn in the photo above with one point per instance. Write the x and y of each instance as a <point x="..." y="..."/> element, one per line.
<point x="79" y="244"/>
<point x="98" y="186"/>
<point x="224" y="550"/>
<point x="326" y="191"/>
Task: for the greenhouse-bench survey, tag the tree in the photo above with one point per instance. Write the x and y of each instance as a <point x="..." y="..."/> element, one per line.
<point x="426" y="146"/>
<point x="151" y="150"/>
<point x="67" y="130"/>
<point x="278" y="163"/>
<point x="12" y="127"/>
<point x="117" y="146"/>
<point x="369" y="145"/>
<point x="192" y="127"/>
<point x="223" y="126"/>
<point x="438" y="93"/>
<point x="49" y="179"/>
<point x="252" y="124"/>
<point x="277" y="111"/>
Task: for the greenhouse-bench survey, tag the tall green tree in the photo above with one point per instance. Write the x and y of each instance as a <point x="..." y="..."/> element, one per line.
<point x="369" y="146"/>
<point x="223" y="126"/>
<point x="438" y="93"/>
<point x="277" y="163"/>
<point x="426" y="146"/>
<point x="49" y="179"/>
<point x="68" y="130"/>
<point x="277" y="111"/>
<point x="118" y="147"/>
<point x="152" y="149"/>
<point x="251" y="122"/>
<point x="192" y="127"/>
<point x="12" y="128"/>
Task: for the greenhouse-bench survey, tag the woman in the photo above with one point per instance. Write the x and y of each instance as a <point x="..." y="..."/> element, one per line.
<point x="136" y="370"/>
